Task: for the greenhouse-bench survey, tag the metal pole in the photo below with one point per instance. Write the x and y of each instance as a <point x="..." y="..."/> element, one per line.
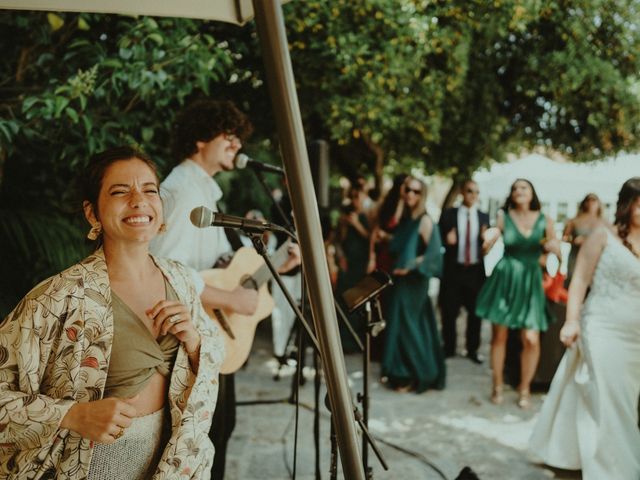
<point x="280" y="80"/>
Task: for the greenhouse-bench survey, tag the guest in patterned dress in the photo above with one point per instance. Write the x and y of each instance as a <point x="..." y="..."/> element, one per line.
<point x="109" y="369"/>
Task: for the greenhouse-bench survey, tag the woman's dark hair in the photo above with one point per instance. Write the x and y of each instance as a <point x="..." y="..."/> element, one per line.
<point x="204" y="120"/>
<point x="390" y="201"/>
<point x="629" y="193"/>
<point x="91" y="180"/>
<point x="509" y="203"/>
<point x="584" y="204"/>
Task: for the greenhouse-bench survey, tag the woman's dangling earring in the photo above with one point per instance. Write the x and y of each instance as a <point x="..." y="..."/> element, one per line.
<point x="163" y="228"/>
<point x="95" y="231"/>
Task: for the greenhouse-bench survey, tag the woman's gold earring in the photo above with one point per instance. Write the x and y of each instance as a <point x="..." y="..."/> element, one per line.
<point x="163" y="228"/>
<point x="95" y="231"/>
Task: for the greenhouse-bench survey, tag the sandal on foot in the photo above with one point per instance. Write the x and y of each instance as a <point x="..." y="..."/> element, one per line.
<point x="497" y="395"/>
<point x="524" y="399"/>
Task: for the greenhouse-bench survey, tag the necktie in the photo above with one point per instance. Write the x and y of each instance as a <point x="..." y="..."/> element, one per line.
<point x="467" y="241"/>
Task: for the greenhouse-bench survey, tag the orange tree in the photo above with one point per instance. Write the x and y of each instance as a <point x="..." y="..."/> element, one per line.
<point x="452" y="84"/>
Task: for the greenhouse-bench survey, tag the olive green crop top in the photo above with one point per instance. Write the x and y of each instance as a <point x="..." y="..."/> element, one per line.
<point x="135" y="355"/>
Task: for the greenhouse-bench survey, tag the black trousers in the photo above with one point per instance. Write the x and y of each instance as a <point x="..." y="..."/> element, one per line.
<point x="223" y="423"/>
<point x="459" y="288"/>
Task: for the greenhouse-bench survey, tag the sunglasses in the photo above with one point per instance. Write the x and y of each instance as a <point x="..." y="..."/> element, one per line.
<point x="413" y="190"/>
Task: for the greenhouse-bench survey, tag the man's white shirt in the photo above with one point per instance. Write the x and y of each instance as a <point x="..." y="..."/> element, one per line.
<point x="188" y="186"/>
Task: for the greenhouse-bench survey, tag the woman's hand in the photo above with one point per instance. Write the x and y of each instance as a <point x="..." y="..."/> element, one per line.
<point x="102" y="421"/>
<point x="451" y="238"/>
<point x="489" y="238"/>
<point x="552" y="246"/>
<point x="569" y="333"/>
<point x="400" y="272"/>
<point x="173" y="317"/>
<point x="578" y="240"/>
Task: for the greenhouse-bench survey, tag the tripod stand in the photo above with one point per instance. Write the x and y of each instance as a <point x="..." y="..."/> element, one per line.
<point x="366" y="293"/>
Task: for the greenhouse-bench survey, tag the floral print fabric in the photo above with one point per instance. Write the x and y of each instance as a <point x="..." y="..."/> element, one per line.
<point x="54" y="351"/>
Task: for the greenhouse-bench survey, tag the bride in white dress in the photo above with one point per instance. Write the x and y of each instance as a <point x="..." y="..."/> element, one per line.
<point x="589" y="419"/>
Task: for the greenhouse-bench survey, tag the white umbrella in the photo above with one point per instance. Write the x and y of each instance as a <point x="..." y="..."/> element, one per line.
<point x="232" y="11"/>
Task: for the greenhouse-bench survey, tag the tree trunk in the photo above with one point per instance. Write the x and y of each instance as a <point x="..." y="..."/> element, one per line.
<point x="378" y="154"/>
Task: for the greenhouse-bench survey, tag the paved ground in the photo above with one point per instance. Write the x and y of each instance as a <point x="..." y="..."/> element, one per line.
<point x="428" y="436"/>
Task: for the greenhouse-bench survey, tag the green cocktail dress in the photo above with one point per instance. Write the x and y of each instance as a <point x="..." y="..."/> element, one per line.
<point x="513" y="296"/>
<point x="413" y="353"/>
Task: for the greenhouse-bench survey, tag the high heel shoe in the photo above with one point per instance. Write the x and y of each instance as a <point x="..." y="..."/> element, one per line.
<point x="524" y="399"/>
<point x="497" y="394"/>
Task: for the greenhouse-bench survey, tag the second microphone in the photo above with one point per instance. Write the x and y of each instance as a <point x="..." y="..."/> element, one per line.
<point x="203" y="217"/>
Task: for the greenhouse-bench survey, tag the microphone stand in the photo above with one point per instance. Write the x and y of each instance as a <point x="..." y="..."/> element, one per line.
<point x="285" y="218"/>
<point x="372" y="329"/>
<point x="256" y="239"/>
<point x="297" y="379"/>
<point x="290" y="228"/>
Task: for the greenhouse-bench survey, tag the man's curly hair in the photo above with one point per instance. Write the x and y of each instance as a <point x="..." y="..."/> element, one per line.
<point x="204" y="120"/>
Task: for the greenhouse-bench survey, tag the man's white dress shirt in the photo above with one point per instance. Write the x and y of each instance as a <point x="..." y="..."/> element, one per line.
<point x="188" y="186"/>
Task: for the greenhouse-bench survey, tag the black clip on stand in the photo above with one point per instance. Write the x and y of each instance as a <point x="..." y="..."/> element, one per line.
<point x="367" y="293"/>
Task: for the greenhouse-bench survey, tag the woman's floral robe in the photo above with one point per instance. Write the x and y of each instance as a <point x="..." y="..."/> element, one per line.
<point x="54" y="350"/>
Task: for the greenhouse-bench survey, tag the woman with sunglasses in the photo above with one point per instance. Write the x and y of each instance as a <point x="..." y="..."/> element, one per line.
<point x="110" y="368"/>
<point x="512" y="297"/>
<point x="413" y="358"/>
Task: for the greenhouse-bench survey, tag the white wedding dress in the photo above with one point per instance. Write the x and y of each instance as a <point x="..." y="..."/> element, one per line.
<point x="589" y="419"/>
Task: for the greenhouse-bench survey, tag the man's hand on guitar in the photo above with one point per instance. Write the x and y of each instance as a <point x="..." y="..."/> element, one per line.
<point x="239" y="300"/>
<point x="293" y="260"/>
<point x="245" y="300"/>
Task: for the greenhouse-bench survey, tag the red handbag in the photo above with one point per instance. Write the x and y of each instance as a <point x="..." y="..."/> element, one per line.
<point x="554" y="287"/>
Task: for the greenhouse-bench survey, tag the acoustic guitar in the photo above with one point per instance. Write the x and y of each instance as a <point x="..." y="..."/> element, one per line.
<point x="249" y="270"/>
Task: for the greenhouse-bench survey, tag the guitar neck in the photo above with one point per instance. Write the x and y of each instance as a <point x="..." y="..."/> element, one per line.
<point x="263" y="274"/>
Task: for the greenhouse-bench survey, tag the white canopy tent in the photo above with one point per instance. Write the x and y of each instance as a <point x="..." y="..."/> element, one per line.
<point x="280" y="80"/>
<point x="560" y="185"/>
<point x="231" y="11"/>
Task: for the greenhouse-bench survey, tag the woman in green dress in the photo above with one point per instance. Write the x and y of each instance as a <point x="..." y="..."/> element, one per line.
<point x="413" y="357"/>
<point x="512" y="297"/>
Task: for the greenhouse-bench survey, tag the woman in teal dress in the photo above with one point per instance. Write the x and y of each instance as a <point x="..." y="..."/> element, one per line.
<point x="413" y="357"/>
<point x="512" y="297"/>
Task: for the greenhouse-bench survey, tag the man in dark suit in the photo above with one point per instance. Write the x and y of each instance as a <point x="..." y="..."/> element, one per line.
<point x="462" y="229"/>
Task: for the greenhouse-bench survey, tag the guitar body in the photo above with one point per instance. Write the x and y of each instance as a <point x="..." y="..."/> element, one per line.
<point x="245" y="263"/>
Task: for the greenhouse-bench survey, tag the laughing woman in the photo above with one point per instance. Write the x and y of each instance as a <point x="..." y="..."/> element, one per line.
<point x="109" y="369"/>
<point x="512" y="297"/>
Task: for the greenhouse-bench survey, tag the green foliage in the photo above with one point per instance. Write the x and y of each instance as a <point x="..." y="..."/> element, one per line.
<point x="72" y="85"/>
<point x="34" y="245"/>
<point x="453" y="84"/>
<point x="445" y="84"/>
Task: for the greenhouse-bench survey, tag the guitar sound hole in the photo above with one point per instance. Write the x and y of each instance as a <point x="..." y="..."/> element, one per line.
<point x="249" y="282"/>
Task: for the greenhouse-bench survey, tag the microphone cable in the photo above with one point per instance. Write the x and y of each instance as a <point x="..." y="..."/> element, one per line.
<point x="417" y="455"/>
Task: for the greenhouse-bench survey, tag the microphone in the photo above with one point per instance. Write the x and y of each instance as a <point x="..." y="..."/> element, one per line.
<point x="203" y="217"/>
<point x="243" y="161"/>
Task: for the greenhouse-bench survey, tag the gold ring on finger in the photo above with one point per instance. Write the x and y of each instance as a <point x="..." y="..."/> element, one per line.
<point x="119" y="434"/>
